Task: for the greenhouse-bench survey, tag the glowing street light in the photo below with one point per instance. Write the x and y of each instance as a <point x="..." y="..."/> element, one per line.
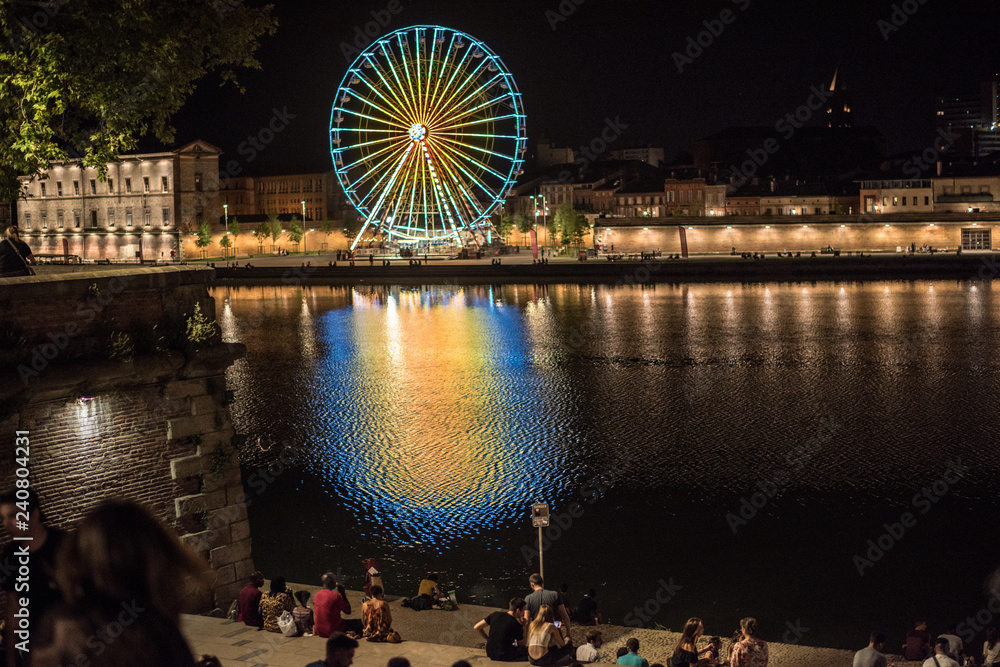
<point x="304" y="250"/>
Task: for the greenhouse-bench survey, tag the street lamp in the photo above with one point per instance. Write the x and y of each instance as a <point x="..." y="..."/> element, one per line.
<point x="225" y="212"/>
<point x="304" y="251"/>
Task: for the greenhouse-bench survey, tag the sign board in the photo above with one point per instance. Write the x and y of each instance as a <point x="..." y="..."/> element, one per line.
<point x="539" y="515"/>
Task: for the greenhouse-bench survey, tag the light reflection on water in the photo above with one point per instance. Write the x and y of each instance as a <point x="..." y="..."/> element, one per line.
<point x="428" y="419"/>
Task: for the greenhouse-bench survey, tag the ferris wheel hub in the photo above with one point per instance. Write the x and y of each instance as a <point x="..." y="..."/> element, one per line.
<point x="418" y="132"/>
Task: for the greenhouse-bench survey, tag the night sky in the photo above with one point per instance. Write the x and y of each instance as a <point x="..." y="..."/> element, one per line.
<point x="615" y="59"/>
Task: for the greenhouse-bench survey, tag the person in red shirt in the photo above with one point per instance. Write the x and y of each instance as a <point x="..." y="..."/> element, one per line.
<point x="250" y="601"/>
<point x="328" y="604"/>
<point x="918" y="642"/>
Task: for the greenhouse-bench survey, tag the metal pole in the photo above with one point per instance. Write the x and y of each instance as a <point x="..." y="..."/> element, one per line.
<point x="541" y="566"/>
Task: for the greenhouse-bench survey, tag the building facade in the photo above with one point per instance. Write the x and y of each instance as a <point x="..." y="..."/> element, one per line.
<point x="649" y="155"/>
<point x="140" y="210"/>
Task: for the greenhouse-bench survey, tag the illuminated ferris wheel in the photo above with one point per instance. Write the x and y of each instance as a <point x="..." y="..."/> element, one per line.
<point x="427" y="136"/>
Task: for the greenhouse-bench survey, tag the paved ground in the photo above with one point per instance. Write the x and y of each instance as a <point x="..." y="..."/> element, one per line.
<point x="237" y="645"/>
<point x="438" y="639"/>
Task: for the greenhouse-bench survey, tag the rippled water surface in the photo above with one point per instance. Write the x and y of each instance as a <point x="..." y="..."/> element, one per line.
<point x="743" y="441"/>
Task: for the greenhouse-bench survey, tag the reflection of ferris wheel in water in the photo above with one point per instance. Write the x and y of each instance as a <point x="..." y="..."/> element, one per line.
<point x="427" y="136"/>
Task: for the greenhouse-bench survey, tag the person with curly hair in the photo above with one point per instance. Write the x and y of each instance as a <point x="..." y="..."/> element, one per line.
<point x="275" y="602"/>
<point x="749" y="651"/>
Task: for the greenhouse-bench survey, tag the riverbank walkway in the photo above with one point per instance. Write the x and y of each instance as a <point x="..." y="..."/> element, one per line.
<point x="437" y="638"/>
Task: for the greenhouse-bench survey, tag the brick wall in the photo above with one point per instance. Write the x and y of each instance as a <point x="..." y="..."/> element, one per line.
<point x="152" y="427"/>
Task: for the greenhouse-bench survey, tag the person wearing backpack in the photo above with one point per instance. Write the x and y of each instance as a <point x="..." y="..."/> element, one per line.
<point x="15" y="255"/>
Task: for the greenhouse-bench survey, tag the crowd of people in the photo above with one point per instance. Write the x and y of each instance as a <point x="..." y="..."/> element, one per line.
<point x="123" y="566"/>
<point x="537" y="629"/>
<point x="276" y="610"/>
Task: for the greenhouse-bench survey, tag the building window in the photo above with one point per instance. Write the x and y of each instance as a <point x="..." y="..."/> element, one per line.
<point x="904" y="201"/>
<point x="59" y="219"/>
<point x="914" y="201"/>
<point x="146" y="218"/>
<point x="927" y="201"/>
<point x="43" y="188"/>
<point x="76" y="219"/>
<point x="76" y="188"/>
<point x="885" y="201"/>
<point x="197" y="181"/>
<point x="45" y="220"/>
<point x="27" y="221"/>
<point x="128" y="185"/>
<point x="670" y="197"/>
<point x="59" y="189"/>
<point x="166" y="217"/>
<point x="111" y="186"/>
<point x="93" y="218"/>
<point x="966" y="190"/>
<point x="128" y="216"/>
<point x="145" y="183"/>
<point x="111" y="217"/>
<point x="895" y="201"/>
<point x="164" y="185"/>
<point x="93" y="187"/>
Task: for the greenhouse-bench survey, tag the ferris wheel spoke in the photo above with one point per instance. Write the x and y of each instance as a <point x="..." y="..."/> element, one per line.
<point x="459" y="69"/>
<point x="478" y="149"/>
<point x="407" y="183"/>
<point x="389" y="88"/>
<point x="393" y="68"/>
<point x="445" y="203"/>
<point x="447" y="102"/>
<point x="375" y="89"/>
<point x="465" y="113"/>
<point x="478" y="121"/>
<point x="351" y="112"/>
<point x="481" y="165"/>
<point x="374" y="209"/>
<point x="472" y="178"/>
<point x="450" y="165"/>
<point x="404" y="57"/>
<point x="399" y="142"/>
<point x="460" y="108"/>
<point x="430" y="74"/>
<point x="399" y="120"/>
<point x="373" y="171"/>
<point x="442" y="71"/>
<point x="454" y="184"/>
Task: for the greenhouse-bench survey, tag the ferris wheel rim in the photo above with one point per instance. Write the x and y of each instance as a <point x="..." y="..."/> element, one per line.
<point x="458" y="158"/>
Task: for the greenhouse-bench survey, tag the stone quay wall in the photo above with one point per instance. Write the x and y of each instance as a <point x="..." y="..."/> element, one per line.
<point x="120" y="383"/>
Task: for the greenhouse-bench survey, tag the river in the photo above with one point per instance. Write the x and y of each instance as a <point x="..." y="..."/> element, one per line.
<point x="817" y="455"/>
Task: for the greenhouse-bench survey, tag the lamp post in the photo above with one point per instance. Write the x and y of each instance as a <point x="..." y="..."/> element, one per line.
<point x="225" y="213"/>
<point x="304" y="250"/>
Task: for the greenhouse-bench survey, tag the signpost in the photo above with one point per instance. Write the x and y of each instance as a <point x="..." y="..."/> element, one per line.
<point x="540" y="519"/>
